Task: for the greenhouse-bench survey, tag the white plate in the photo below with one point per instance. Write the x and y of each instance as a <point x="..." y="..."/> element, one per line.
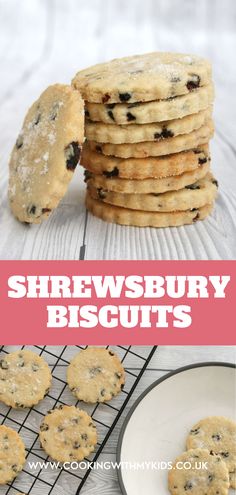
<point x="158" y="423"/>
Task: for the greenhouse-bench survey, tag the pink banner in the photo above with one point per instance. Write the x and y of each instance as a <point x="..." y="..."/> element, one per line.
<point x="121" y="302"/>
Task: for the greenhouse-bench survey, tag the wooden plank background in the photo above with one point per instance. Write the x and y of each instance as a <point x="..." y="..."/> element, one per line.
<point x="46" y="41"/>
<point x="101" y="482"/>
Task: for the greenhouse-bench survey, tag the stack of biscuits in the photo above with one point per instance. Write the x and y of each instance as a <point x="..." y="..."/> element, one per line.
<point x="148" y="126"/>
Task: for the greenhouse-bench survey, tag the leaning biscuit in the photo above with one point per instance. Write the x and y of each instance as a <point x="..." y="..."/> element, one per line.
<point x="46" y="153"/>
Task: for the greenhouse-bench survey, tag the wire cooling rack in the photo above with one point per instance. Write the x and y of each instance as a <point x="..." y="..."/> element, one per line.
<point x="37" y="480"/>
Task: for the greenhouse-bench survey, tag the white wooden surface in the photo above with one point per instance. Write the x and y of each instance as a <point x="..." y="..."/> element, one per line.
<point x="46" y="41"/>
<point x="102" y="482"/>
